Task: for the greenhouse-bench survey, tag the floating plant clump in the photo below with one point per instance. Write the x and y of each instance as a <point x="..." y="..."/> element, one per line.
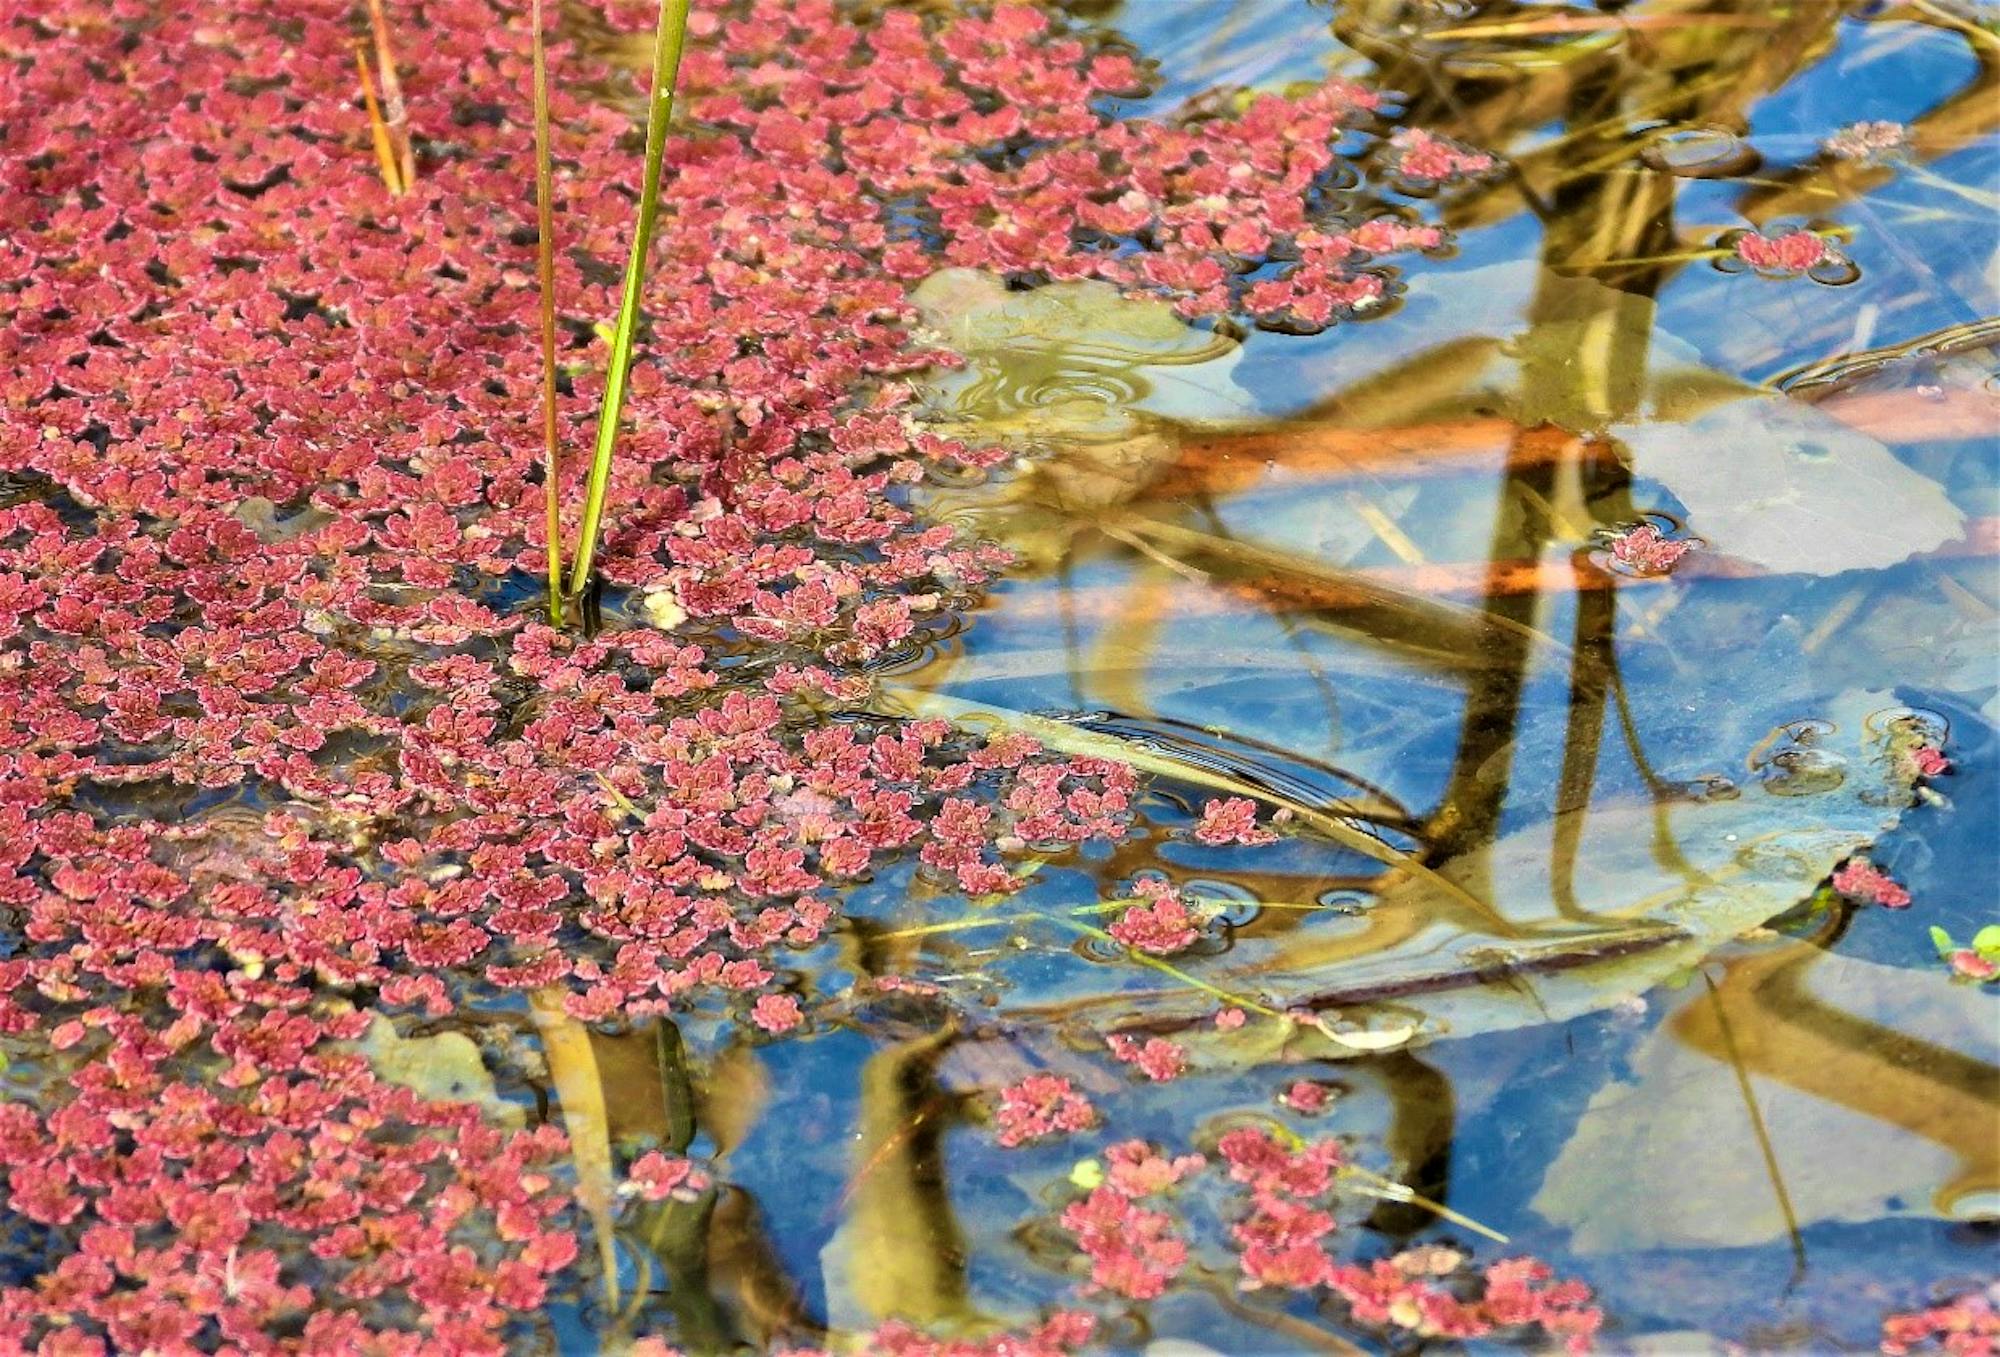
<point x="1786" y="253"/>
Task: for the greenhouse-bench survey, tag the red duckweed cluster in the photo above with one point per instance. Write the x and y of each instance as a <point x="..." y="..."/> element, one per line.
<point x="656" y="1177"/>
<point x="1874" y="140"/>
<point x="1424" y="161"/>
<point x="1864" y="883"/>
<point x="170" y="1182"/>
<point x="1643" y="549"/>
<point x="1306" y="1097"/>
<point x="1161" y="923"/>
<point x="1233" y="819"/>
<point x="1967" y="1325"/>
<point x="1786" y="253"/>
<point x="278" y="722"/>
<point x="1155" y="1057"/>
<point x="1136" y="1247"/>
<point x="1134" y="1250"/>
<point x="1426" y="1291"/>
<point x="1926" y="761"/>
<point x="1040" y="1107"/>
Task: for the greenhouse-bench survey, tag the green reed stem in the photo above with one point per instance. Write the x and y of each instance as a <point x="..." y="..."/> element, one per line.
<point x="1152" y="962"/>
<point x="545" y="272"/>
<point x="667" y="41"/>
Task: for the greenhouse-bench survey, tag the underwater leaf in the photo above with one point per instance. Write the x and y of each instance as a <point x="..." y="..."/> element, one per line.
<point x="1885" y="1065"/>
<point x="1783" y="486"/>
<point x="446" y="1067"/>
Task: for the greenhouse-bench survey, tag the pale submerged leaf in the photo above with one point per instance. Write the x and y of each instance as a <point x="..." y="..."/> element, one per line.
<point x="1782" y="486"/>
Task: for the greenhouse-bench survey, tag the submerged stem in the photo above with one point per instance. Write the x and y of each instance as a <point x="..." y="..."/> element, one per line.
<point x="667" y="42"/>
<point x="545" y="272"/>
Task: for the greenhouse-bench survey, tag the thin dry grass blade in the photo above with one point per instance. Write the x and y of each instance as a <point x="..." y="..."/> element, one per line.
<point x="545" y="273"/>
<point x="385" y="153"/>
<point x="392" y="96"/>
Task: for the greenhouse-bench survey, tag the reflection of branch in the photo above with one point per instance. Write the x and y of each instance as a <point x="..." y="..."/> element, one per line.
<point x="1589" y="676"/>
<point x="904" y="1251"/>
<point x="573" y="1071"/>
<point x="1299" y="577"/>
<point x="1798" y="1039"/>
<point x="1757" y="1126"/>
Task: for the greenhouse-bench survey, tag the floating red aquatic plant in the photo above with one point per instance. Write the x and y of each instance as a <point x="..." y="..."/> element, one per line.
<point x="1870" y="140"/>
<point x="1134" y="1251"/>
<point x="1161" y="924"/>
<point x="1787" y="253"/>
<point x="1644" y="550"/>
<point x="278" y="722"/>
<point x="1231" y="820"/>
<point x="776" y="1013"/>
<point x="1306" y="1097"/>
<point x="1967" y="1325"/>
<point x="1927" y="761"/>
<point x="656" y="1177"/>
<point x="1040" y="1107"/>
<point x="1863" y="882"/>
<point x="1157" y="1058"/>
<point x="1426" y="160"/>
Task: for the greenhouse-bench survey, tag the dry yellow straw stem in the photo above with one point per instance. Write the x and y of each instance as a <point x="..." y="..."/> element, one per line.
<point x="385" y="155"/>
<point x="392" y="97"/>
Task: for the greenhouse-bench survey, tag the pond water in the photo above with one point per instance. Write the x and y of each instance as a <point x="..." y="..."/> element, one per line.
<point x="1477" y="715"/>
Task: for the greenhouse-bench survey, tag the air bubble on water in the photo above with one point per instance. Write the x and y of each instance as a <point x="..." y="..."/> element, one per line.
<point x="1929" y="726"/>
<point x="1223" y="901"/>
<point x="1345" y="900"/>
<point x="1790" y="762"/>
<point x="1701" y="151"/>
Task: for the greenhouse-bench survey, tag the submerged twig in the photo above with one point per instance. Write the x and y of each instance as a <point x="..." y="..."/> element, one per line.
<point x="668" y="39"/>
<point x="1765" y="1148"/>
<point x="1388" y="1189"/>
<point x="1147" y="959"/>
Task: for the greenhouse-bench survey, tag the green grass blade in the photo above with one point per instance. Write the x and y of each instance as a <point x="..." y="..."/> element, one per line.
<point x="1151" y="962"/>
<point x="667" y="42"/>
<point x="545" y="272"/>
